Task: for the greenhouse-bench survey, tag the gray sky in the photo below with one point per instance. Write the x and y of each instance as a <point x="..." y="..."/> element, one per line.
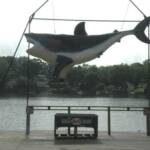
<point x="14" y="15"/>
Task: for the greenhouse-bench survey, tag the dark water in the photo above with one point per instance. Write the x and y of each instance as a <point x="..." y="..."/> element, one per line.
<point x="13" y="116"/>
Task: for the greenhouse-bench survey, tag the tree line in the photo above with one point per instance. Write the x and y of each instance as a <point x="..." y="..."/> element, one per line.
<point x="84" y="80"/>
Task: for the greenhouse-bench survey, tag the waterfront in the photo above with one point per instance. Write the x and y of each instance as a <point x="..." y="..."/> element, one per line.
<point x="13" y="113"/>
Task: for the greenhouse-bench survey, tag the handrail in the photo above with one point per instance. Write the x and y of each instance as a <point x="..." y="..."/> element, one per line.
<point x="68" y="109"/>
<point x="88" y="108"/>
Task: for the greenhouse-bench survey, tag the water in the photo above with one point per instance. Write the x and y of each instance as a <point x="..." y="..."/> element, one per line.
<point x="13" y="115"/>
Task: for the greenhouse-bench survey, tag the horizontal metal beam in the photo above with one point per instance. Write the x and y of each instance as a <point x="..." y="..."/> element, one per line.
<point x="86" y="108"/>
<point x="87" y="20"/>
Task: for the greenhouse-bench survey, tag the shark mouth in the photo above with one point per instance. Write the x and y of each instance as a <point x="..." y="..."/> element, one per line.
<point x="61" y="64"/>
<point x="30" y="39"/>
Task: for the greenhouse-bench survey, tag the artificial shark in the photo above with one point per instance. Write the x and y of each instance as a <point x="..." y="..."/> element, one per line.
<point x="65" y="51"/>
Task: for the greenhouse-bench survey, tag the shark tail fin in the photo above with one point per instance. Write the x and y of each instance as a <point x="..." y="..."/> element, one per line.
<point x="139" y="30"/>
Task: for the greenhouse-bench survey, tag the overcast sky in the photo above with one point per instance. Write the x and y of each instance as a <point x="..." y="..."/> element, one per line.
<point x="15" y="13"/>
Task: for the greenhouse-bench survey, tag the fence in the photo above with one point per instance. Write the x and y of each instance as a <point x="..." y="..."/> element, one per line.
<point x="30" y="110"/>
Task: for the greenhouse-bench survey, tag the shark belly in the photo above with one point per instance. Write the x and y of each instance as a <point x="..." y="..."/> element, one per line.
<point x="80" y="57"/>
<point x="95" y="51"/>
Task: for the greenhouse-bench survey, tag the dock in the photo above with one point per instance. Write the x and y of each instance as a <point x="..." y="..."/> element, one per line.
<point x="44" y="140"/>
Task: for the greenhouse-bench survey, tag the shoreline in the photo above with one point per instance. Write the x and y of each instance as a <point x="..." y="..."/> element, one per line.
<point x="65" y="96"/>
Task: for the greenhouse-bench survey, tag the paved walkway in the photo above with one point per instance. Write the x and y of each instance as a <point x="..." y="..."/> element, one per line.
<point x="44" y="140"/>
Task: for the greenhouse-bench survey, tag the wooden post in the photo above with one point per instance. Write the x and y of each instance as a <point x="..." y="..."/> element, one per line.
<point x="109" y="121"/>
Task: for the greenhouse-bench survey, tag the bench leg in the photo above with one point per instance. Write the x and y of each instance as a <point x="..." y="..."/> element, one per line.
<point x="75" y="132"/>
<point x="69" y="133"/>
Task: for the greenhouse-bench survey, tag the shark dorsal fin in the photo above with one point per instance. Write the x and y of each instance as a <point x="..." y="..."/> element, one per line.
<point x="80" y="29"/>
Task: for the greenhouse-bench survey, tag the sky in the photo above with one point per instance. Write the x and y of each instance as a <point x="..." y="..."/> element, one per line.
<point x="14" y="15"/>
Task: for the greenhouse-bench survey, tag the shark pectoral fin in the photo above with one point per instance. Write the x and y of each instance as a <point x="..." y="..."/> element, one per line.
<point x="64" y="72"/>
<point x="61" y="63"/>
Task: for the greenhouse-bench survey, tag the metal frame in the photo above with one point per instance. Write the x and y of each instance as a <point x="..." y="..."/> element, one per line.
<point x="31" y="18"/>
<point x="69" y="109"/>
<point x="87" y="20"/>
<point x="30" y="109"/>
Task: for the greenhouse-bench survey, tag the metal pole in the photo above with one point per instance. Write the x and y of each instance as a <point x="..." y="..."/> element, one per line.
<point x="39" y="8"/>
<point x="88" y="20"/>
<point x="148" y="92"/>
<point x="13" y="57"/>
<point x="138" y="8"/>
<point x="28" y="87"/>
<point x="28" y="69"/>
<point x="148" y="124"/>
<point x="148" y="72"/>
<point x="28" y="109"/>
<point x="69" y="111"/>
<point x="27" y="120"/>
<point x="109" y="120"/>
<point x="148" y="86"/>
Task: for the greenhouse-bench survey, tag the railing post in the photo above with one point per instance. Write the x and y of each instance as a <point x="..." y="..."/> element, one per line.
<point x="29" y="111"/>
<point x="147" y="114"/>
<point x="148" y="87"/>
<point x="69" y="111"/>
<point x="109" y="120"/>
<point x="148" y="124"/>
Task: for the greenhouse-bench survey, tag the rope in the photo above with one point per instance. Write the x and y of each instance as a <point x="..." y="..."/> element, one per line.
<point x="13" y="57"/>
<point x="53" y="16"/>
<point x="138" y="8"/>
<point x="125" y="15"/>
<point x="40" y="7"/>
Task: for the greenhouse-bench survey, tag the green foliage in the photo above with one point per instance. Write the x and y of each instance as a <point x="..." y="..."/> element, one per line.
<point x="110" y="80"/>
<point x="119" y="80"/>
<point x="16" y="80"/>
